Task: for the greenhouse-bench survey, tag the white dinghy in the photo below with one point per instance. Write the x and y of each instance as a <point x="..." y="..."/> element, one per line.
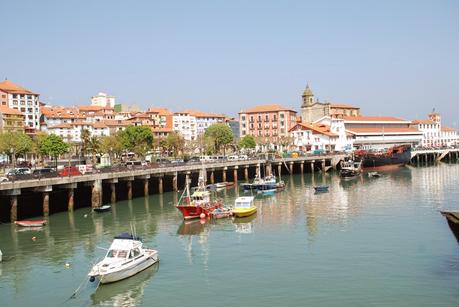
<point x="125" y="258"/>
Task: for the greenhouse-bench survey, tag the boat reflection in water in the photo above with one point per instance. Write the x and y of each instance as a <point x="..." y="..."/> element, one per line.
<point x="128" y="292"/>
<point x="244" y="224"/>
<point x="191" y="227"/>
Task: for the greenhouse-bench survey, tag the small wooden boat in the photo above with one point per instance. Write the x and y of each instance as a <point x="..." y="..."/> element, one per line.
<point x="321" y="188"/>
<point x="243" y="206"/>
<point x="31" y="223"/>
<point x="220" y="213"/>
<point x="453" y="222"/>
<point x="103" y="208"/>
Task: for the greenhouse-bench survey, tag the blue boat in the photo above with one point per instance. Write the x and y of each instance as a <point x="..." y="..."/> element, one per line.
<point x="321" y="188"/>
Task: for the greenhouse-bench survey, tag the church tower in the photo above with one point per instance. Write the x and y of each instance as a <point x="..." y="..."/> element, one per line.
<point x="306" y="106"/>
<point x="308" y="97"/>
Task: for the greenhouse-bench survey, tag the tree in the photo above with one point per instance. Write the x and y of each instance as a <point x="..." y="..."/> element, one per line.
<point x="94" y="147"/>
<point x="247" y="142"/>
<point x="85" y="139"/>
<point x="137" y="139"/>
<point x="53" y="146"/>
<point x="221" y="134"/>
<point x="111" y="145"/>
<point x="175" y="143"/>
<point x="15" y="144"/>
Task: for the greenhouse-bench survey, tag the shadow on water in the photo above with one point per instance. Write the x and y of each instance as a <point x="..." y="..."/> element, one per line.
<point x="128" y="292"/>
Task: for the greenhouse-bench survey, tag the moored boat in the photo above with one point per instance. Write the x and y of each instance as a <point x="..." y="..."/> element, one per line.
<point x="244" y="206"/>
<point x="321" y="188"/>
<point x="222" y="212"/>
<point x="374" y="175"/>
<point x="199" y="204"/>
<point x="31" y="223"/>
<point x="452" y="218"/>
<point x="103" y="208"/>
<point x="350" y="169"/>
<point x="395" y="156"/>
<point x="125" y="258"/>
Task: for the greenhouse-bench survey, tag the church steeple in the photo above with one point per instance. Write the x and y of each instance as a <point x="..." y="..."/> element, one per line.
<point x="308" y="97"/>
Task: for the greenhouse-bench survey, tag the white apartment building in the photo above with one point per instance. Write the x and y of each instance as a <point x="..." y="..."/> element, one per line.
<point x="185" y="124"/>
<point x="434" y="134"/>
<point x="103" y="100"/>
<point x="205" y="119"/>
<point x="23" y="100"/>
<point x="71" y="132"/>
<point x="326" y="134"/>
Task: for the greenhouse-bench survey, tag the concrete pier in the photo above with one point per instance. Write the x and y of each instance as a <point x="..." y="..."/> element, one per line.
<point x="246" y="173"/>
<point x="96" y="194"/>
<point x="174" y="182"/>
<point x="160" y="185"/>
<point x="312" y="166"/>
<point x="279" y="169"/>
<point x="146" y="186"/>
<point x="224" y="174"/>
<point x="302" y="167"/>
<point x="235" y="174"/>
<point x="45" y="204"/>
<point x="14" y="208"/>
<point x="129" y="189"/>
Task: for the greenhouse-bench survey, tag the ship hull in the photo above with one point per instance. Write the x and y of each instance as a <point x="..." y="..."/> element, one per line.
<point x="393" y="158"/>
<point x="193" y="212"/>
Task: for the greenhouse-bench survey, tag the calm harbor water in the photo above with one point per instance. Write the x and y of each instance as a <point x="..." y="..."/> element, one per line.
<point x="367" y="242"/>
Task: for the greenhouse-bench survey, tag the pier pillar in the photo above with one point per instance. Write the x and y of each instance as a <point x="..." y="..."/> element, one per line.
<point x="146" y="187"/>
<point x="45" y="204"/>
<point x="96" y="195"/>
<point x="224" y="174"/>
<point x="246" y="173"/>
<point x="14" y="208"/>
<point x="187" y="178"/>
<point x="279" y="169"/>
<point x="302" y="167"/>
<point x="129" y="189"/>
<point x="235" y="174"/>
<point x="71" y="199"/>
<point x="160" y="185"/>
<point x="258" y="170"/>
<point x="323" y="165"/>
<point x="174" y="182"/>
<point x="312" y="166"/>
<point x="291" y="168"/>
<point x="212" y="179"/>
<point x="113" y="192"/>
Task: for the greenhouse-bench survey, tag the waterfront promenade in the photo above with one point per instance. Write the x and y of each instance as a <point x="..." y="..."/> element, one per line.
<point x="157" y="179"/>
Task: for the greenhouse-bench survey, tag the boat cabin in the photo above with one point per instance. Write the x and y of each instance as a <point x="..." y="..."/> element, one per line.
<point x="244" y="202"/>
<point x="200" y="197"/>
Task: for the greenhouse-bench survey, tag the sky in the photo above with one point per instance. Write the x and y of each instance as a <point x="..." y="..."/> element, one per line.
<point x="398" y="58"/>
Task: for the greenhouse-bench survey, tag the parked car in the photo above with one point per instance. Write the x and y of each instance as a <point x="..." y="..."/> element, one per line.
<point x="163" y="160"/>
<point x="69" y="171"/>
<point x="194" y="159"/>
<point x="19" y="171"/>
<point x="42" y="171"/>
<point x="233" y="158"/>
<point x="4" y="179"/>
<point x="177" y="161"/>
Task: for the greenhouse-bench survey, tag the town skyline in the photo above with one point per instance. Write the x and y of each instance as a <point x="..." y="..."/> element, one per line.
<point x="388" y="58"/>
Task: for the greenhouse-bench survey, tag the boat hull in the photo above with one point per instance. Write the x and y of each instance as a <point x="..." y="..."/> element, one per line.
<point x="37" y="223"/>
<point x="244" y="212"/>
<point x="131" y="271"/>
<point x="194" y="212"/>
<point x="453" y="222"/>
<point x="392" y="158"/>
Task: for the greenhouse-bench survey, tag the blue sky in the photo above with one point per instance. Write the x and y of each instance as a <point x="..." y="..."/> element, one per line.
<point x="388" y="57"/>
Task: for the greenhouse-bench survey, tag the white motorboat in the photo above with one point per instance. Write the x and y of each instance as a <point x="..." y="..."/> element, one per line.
<point x="125" y="258"/>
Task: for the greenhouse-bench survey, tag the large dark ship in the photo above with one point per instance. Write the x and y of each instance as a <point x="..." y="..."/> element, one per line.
<point x="393" y="157"/>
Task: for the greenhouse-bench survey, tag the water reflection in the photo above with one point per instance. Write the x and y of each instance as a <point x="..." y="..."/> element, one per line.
<point x="244" y="225"/>
<point x="128" y="292"/>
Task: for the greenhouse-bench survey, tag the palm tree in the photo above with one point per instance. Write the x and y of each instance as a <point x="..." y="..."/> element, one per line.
<point x="94" y="147"/>
<point x="85" y="138"/>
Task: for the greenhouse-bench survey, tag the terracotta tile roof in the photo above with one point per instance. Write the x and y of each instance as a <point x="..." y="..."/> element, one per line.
<point x="316" y="128"/>
<point x="91" y="108"/>
<point x="202" y="114"/>
<point x="61" y="126"/>
<point x="266" y="108"/>
<point x="10" y="87"/>
<point x="11" y="111"/>
<point x="160" y="129"/>
<point x="343" y="106"/>
<point x="423" y="121"/>
<point x="116" y="122"/>
<point x="373" y="119"/>
<point x="447" y="129"/>
<point x="160" y="111"/>
<point x="383" y="130"/>
<point x="99" y="125"/>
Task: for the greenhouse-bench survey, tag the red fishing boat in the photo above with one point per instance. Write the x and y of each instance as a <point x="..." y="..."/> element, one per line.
<point x="31" y="223"/>
<point x="199" y="204"/>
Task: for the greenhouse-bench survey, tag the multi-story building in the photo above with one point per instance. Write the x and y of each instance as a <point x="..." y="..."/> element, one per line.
<point x="234" y="125"/>
<point x="71" y="132"/>
<point x="377" y="132"/>
<point x="434" y="133"/>
<point x="185" y="124"/>
<point x="312" y="110"/>
<point x="162" y="117"/>
<point x="23" y="100"/>
<point x="205" y="119"/>
<point x="103" y="100"/>
<point x="270" y="123"/>
<point x="52" y="116"/>
<point x="11" y="120"/>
